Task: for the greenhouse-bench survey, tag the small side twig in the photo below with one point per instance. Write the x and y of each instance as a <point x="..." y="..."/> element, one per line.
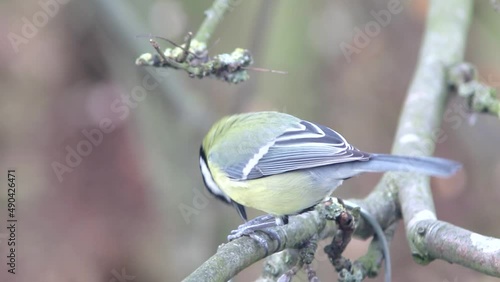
<point x="187" y="43"/>
<point x="284" y="265"/>
<point x="340" y="241"/>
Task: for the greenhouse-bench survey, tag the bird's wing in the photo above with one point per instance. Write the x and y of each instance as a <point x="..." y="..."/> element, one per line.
<point x="305" y="146"/>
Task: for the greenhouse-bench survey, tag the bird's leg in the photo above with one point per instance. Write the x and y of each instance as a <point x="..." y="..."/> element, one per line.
<point x="263" y="224"/>
<point x="258" y="220"/>
<point x="253" y="225"/>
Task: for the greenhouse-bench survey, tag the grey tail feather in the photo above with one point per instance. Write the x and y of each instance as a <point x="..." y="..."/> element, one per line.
<point x="426" y="165"/>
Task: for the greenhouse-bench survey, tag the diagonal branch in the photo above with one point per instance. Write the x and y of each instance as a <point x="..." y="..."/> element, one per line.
<point x="236" y="255"/>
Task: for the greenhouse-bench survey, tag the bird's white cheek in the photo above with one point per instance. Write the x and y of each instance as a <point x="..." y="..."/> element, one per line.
<point x="211" y="185"/>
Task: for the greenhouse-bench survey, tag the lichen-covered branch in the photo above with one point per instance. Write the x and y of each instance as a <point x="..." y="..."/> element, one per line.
<point x="382" y="205"/>
<point x="442" y="49"/>
<point x="463" y="79"/>
<point x="286" y="263"/>
<point x="443" y="46"/>
<point x="192" y="56"/>
<point x="441" y="240"/>
<point x="236" y="255"/>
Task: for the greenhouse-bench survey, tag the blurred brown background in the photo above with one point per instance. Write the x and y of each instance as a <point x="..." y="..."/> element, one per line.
<point x="133" y="203"/>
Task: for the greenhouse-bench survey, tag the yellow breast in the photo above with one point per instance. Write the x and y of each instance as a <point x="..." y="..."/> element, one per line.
<point x="282" y="194"/>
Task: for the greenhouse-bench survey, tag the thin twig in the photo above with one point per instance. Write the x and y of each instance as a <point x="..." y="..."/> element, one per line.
<point x="213" y="16"/>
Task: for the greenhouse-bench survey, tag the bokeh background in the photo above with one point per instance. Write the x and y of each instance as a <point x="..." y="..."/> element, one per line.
<point x="135" y="204"/>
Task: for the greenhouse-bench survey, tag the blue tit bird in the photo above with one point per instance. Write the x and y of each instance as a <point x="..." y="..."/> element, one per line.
<point x="283" y="165"/>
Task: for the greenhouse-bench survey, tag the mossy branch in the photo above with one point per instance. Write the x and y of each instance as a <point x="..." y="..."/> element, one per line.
<point x="192" y="56"/>
<point x="442" y="48"/>
<point x="463" y="80"/>
<point x="435" y="239"/>
<point x="236" y="255"/>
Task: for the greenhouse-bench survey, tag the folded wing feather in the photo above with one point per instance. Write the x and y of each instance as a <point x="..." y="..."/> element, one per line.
<point x="306" y="146"/>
